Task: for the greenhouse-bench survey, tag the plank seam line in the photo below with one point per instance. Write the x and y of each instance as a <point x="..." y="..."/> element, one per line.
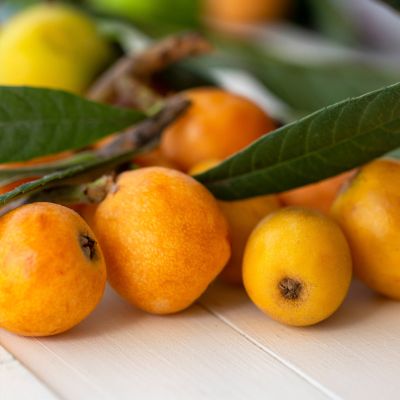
<point x="9" y="362"/>
<point x="265" y="349"/>
<point x="69" y="366"/>
<point x="11" y="359"/>
<point x="38" y="379"/>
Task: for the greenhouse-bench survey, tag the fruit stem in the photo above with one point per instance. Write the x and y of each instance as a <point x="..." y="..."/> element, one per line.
<point x="88" y="246"/>
<point x="142" y="135"/>
<point x="290" y="288"/>
<point x="138" y="69"/>
<point x="148" y="130"/>
<point x="87" y="193"/>
<point x="11" y="175"/>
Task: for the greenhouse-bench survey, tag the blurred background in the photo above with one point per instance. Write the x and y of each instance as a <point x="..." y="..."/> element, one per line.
<point x="299" y="55"/>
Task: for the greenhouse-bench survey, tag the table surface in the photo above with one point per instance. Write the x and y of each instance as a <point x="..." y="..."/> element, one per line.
<point x="221" y="347"/>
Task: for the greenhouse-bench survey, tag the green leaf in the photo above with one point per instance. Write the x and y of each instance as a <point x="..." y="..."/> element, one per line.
<point x="84" y="171"/>
<point x="307" y="88"/>
<point x="326" y="143"/>
<point x="172" y="13"/>
<point x="304" y="87"/>
<point x="37" y="122"/>
<point x="334" y="20"/>
<point x="10" y="175"/>
<point x="393" y="3"/>
<point x="86" y="166"/>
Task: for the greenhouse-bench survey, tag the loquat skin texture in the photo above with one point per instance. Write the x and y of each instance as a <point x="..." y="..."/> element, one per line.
<point x="297" y="266"/>
<point x="242" y="217"/>
<point x="154" y="158"/>
<point x="52" y="46"/>
<point x="217" y="124"/>
<point x="87" y="212"/>
<point x="164" y="238"/>
<point x="368" y="210"/>
<point x="203" y="166"/>
<point x="318" y="196"/>
<point x="52" y="271"/>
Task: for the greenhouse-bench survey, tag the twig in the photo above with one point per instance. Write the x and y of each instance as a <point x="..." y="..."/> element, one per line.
<point x="148" y="130"/>
<point x="70" y="183"/>
<point x="86" y="193"/>
<point x="141" y="67"/>
<point x="134" y="138"/>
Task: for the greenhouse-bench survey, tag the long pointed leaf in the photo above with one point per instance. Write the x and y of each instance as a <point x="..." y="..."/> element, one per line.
<point x="36" y="122"/>
<point x="327" y="142"/>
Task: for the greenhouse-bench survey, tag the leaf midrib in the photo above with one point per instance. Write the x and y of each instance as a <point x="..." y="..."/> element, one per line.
<point x="291" y="160"/>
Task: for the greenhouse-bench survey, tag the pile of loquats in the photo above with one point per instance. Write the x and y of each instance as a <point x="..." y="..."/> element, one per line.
<point x="160" y="238"/>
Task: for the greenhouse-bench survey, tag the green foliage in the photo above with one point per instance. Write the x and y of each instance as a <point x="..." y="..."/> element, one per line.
<point x="304" y="87"/>
<point x="37" y="122"/>
<point x="326" y="143"/>
<point x="393" y="3"/>
<point x="332" y="19"/>
<point x="85" y="171"/>
<point x="172" y="13"/>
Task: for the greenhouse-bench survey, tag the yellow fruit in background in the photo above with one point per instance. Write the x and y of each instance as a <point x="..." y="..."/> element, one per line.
<point x="217" y="124"/>
<point x="164" y="238"/>
<point x="52" y="46"/>
<point x="52" y="271"/>
<point x="297" y="266"/>
<point x="242" y="217"/>
<point x="369" y="212"/>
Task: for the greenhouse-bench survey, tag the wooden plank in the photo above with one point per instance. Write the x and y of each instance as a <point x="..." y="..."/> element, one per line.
<point x="5" y="356"/>
<point x="17" y="383"/>
<point x="121" y="353"/>
<point x="354" y="354"/>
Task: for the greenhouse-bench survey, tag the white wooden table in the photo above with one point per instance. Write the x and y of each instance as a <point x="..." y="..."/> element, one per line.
<point x="222" y="347"/>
